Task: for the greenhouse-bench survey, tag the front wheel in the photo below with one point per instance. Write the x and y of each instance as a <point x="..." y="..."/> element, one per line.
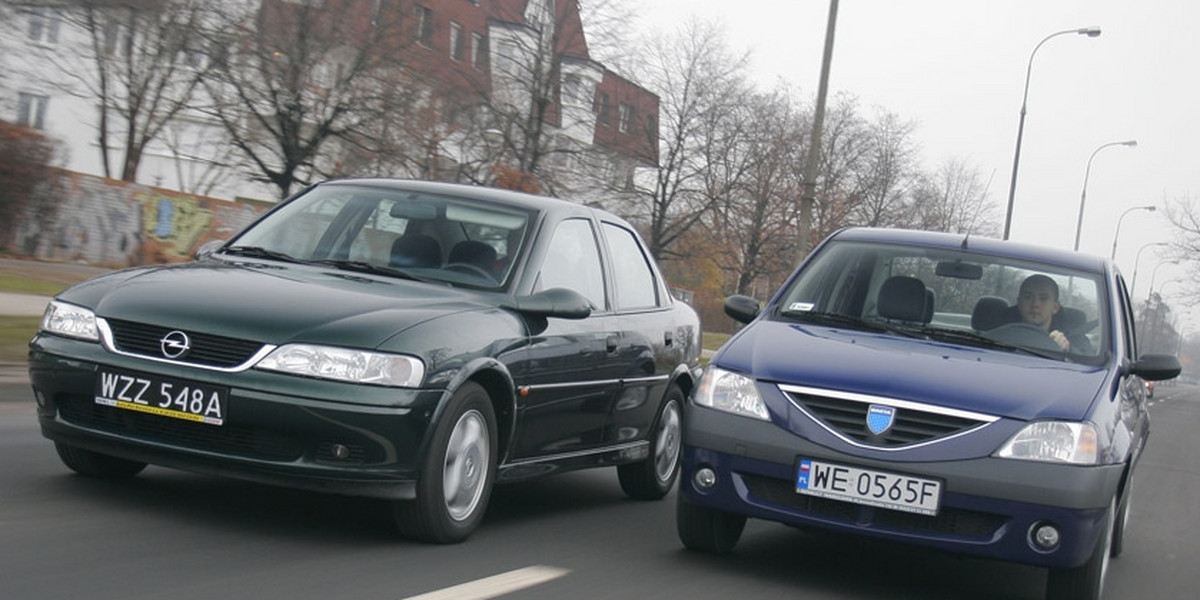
<point x="1085" y="582"/>
<point x="707" y="529"/>
<point x="456" y="476"/>
<point x="653" y="477"/>
<point x="95" y="464"/>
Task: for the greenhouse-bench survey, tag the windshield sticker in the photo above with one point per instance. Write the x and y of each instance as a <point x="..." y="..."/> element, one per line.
<point x="801" y="306"/>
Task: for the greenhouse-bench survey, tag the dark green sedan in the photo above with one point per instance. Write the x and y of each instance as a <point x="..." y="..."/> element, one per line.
<point x="413" y="341"/>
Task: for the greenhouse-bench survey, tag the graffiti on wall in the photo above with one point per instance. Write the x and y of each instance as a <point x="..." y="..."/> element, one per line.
<point x="119" y="224"/>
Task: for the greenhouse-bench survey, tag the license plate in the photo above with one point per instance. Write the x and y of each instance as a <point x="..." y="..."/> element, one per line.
<point x="163" y="396"/>
<point x="869" y="487"/>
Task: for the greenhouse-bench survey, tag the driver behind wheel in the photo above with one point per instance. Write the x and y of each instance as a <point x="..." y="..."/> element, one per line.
<point x="1037" y="302"/>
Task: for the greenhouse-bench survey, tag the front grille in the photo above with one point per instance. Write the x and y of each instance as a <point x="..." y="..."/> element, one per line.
<point x="949" y="521"/>
<point x="228" y="439"/>
<point x="206" y="349"/>
<point x="911" y="426"/>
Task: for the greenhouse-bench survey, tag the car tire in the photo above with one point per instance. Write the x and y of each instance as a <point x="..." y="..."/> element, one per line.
<point x="95" y="464"/>
<point x="457" y="473"/>
<point x="1085" y="582"/>
<point x="652" y="478"/>
<point x="707" y="529"/>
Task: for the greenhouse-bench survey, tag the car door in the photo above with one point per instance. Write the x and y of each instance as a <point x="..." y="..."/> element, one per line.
<point x="646" y="334"/>
<point x="570" y="376"/>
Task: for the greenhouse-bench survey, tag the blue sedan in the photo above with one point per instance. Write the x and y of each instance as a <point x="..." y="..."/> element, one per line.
<point x="976" y="396"/>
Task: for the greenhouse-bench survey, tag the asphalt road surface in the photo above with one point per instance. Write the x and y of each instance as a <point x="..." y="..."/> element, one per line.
<point x="178" y="536"/>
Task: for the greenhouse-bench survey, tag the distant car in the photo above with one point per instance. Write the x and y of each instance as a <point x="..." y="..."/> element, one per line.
<point x="406" y="340"/>
<point x="893" y="388"/>
<point x="1149" y="389"/>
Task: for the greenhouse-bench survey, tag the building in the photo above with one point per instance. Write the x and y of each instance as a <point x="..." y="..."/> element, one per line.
<point x="484" y="84"/>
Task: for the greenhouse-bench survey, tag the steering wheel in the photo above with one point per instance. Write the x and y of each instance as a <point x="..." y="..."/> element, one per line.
<point x="1024" y="334"/>
<point x="471" y="269"/>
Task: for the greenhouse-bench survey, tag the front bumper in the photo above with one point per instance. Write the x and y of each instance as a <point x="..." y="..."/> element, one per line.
<point x="989" y="506"/>
<point x="281" y="430"/>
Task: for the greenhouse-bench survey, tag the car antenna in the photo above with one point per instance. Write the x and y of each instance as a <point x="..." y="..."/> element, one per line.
<point x="966" y="238"/>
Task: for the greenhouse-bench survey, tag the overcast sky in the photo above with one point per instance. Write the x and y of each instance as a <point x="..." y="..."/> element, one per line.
<point x="957" y="68"/>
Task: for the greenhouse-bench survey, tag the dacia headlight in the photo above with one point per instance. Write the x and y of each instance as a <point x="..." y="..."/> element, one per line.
<point x="1054" y="441"/>
<point x="345" y="364"/>
<point x="69" y="320"/>
<point x="730" y="392"/>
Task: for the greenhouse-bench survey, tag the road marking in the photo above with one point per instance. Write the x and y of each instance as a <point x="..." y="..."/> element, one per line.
<point x="496" y="585"/>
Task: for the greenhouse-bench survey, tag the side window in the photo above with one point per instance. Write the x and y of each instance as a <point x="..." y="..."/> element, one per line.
<point x="573" y="262"/>
<point x="1127" y="320"/>
<point x="634" y="280"/>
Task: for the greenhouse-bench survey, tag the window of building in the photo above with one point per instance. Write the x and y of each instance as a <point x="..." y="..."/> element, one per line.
<point x="456" y="41"/>
<point x="625" y="125"/>
<point x="478" y="51"/>
<point x="602" y="108"/>
<point x="424" y="26"/>
<point x="506" y="57"/>
<point x="31" y="110"/>
<point x="43" y="24"/>
<point x="117" y="37"/>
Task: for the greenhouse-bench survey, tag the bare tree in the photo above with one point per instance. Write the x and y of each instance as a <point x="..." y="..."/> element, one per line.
<point x="142" y="62"/>
<point x="1184" y="214"/>
<point x="954" y="199"/>
<point x="888" y="167"/>
<point x="300" y="78"/>
<point x="701" y="86"/>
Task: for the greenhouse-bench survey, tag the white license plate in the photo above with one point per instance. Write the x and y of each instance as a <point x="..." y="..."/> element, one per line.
<point x="162" y="396"/>
<point x="867" y="486"/>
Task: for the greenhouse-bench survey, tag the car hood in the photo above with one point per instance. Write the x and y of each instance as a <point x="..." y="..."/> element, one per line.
<point x="272" y="303"/>
<point x="993" y="382"/>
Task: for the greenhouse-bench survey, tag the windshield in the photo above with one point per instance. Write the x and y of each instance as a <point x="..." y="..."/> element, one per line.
<point x="392" y="232"/>
<point x="954" y="296"/>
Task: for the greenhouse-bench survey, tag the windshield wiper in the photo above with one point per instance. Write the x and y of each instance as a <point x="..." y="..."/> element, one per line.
<point x="827" y="318"/>
<point x="979" y="339"/>
<point x="259" y="252"/>
<point x="359" y="266"/>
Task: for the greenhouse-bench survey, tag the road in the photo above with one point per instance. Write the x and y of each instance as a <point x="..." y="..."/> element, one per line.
<point x="175" y="535"/>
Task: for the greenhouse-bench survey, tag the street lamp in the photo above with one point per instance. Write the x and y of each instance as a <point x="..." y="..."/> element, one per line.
<point x="1150" y="208"/>
<point x="1012" y="186"/>
<point x="1136" y="260"/>
<point x="1087" y="172"/>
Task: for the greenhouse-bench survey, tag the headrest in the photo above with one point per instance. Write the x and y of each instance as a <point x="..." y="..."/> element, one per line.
<point x="903" y="298"/>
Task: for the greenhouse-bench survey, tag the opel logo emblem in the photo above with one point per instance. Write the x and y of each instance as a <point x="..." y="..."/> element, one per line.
<point x="175" y="344"/>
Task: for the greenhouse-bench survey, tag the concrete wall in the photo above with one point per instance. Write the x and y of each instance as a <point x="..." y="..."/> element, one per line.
<point x="116" y="224"/>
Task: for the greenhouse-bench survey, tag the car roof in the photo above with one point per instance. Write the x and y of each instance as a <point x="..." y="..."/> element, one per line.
<point x="975" y="243"/>
<point x="545" y="204"/>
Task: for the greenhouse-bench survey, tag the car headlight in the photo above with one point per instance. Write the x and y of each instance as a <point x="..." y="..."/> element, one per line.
<point x="344" y="364"/>
<point x="69" y="320"/>
<point x="1054" y="441"/>
<point x="730" y="392"/>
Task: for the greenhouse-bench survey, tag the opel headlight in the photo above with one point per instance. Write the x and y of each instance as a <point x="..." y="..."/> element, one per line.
<point x="344" y="364"/>
<point x="730" y="392"/>
<point x="69" y="320"/>
<point x="1054" y="441"/>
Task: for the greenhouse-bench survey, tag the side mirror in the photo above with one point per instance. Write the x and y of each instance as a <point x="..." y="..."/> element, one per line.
<point x="1156" y="367"/>
<point x="207" y="249"/>
<point x="554" y="302"/>
<point x="742" y="309"/>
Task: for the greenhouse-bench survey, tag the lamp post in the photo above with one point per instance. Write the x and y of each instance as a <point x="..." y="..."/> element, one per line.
<point x="1136" y="260"/>
<point x="1012" y="186"/>
<point x="1087" y="172"/>
<point x="1117" y="234"/>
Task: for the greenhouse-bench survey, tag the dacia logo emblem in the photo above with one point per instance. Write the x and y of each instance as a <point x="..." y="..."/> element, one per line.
<point x="880" y="418"/>
<point x="175" y="344"/>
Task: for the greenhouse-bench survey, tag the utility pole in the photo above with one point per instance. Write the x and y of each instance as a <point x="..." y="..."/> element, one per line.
<point x="808" y="197"/>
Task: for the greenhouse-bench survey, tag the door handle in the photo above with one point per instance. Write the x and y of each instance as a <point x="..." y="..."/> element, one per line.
<point x="611" y="343"/>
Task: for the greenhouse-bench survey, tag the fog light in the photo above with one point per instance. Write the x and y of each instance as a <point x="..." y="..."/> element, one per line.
<point x="705" y="478"/>
<point x="1046" y="536"/>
